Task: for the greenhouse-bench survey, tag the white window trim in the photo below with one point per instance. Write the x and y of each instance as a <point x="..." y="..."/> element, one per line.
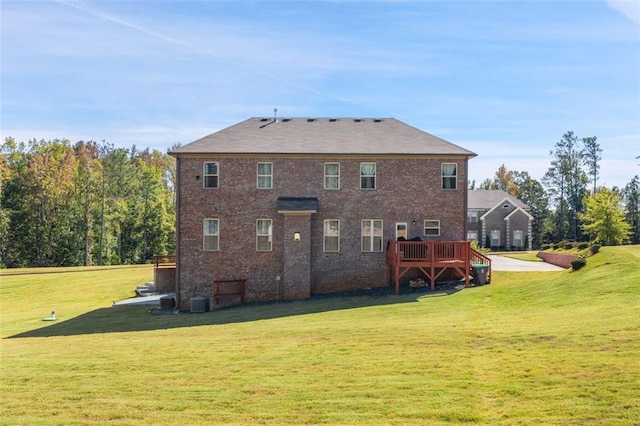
<point x="472" y="217"/>
<point x="269" y="234"/>
<point x="331" y="176"/>
<point x="205" y="174"/>
<point x="431" y="227"/>
<point x="491" y="239"/>
<point x="371" y="248"/>
<point x="325" y="236"/>
<point x="374" y="175"/>
<point x="406" y="229"/>
<point x="521" y="232"/>
<point x="454" y="176"/>
<point x="258" y="175"/>
<point x="204" y="235"/>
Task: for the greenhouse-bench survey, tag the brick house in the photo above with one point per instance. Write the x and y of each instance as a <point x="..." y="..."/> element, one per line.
<point x="498" y="221"/>
<point x="303" y="206"/>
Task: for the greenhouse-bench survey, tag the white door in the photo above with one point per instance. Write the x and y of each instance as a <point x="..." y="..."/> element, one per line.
<point x="402" y="230"/>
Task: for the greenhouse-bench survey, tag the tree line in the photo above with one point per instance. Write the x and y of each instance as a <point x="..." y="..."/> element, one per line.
<point x="568" y="204"/>
<point x="87" y="203"/>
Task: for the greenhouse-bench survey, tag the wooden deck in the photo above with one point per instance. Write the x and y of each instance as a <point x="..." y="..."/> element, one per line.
<point x="433" y="259"/>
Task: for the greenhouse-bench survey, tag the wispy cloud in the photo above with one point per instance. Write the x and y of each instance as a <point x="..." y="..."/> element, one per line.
<point x="629" y="8"/>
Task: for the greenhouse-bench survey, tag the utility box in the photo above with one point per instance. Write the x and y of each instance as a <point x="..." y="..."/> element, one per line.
<point x="199" y="304"/>
<point x="167" y="302"/>
<point x="480" y="274"/>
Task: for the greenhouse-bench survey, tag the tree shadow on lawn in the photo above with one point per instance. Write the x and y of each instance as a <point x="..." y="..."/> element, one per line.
<point x="120" y="319"/>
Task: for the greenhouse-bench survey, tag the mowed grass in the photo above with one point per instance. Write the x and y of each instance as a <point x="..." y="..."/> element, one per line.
<point x="531" y="348"/>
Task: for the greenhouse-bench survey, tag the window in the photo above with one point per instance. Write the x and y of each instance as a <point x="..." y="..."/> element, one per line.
<point x="472" y="235"/>
<point x="265" y="175"/>
<point x="449" y="176"/>
<point x="367" y="175"/>
<point x="495" y="238"/>
<point x="264" y="230"/>
<point x="401" y="230"/>
<point x="210" y="175"/>
<point x="371" y="235"/>
<point x="432" y="227"/>
<point x="331" y="235"/>
<point x="518" y="239"/>
<point x="472" y="216"/>
<point x="211" y="235"/>
<point x="331" y="175"/>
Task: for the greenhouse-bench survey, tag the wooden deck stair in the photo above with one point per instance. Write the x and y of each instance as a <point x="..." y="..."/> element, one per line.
<point x="433" y="259"/>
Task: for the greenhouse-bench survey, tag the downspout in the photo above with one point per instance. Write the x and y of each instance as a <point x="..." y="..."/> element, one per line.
<point x="466" y="200"/>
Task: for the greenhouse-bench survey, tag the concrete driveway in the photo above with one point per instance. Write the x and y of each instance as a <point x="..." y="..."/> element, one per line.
<point x="503" y="263"/>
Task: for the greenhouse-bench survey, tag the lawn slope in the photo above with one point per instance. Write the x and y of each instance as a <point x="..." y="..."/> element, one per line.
<point x="531" y="348"/>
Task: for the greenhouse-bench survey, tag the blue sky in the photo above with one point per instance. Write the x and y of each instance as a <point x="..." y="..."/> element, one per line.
<point x="503" y="79"/>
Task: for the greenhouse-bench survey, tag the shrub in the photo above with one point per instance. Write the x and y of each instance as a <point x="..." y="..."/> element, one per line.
<point x="578" y="263"/>
<point x="546" y="246"/>
<point x="583" y="245"/>
<point x="595" y="248"/>
<point x="568" y="246"/>
<point x="556" y="246"/>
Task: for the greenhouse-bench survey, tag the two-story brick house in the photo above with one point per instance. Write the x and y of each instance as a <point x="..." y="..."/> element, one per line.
<point x="302" y="206"/>
<point x="498" y="221"/>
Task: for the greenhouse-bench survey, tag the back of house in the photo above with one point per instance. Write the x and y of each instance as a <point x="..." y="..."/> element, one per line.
<point x="303" y="206"/>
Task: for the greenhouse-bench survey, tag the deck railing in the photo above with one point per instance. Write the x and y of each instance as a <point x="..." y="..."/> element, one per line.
<point x="427" y="251"/>
<point x="164" y="260"/>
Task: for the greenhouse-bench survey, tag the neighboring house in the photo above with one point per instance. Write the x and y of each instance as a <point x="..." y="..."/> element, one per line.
<point x="302" y="206"/>
<point x="498" y="221"/>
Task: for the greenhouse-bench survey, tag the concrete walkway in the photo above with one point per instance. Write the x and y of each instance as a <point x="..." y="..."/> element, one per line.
<point x="503" y="263"/>
<point x="145" y="300"/>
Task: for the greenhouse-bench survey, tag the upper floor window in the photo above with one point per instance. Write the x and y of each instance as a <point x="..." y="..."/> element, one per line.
<point x="472" y="235"/>
<point x="432" y="227"/>
<point x="265" y="175"/>
<point x="472" y="216"/>
<point x="331" y="175"/>
<point x="264" y="232"/>
<point x="367" y="175"/>
<point x="210" y="175"/>
<point x="371" y="235"/>
<point x="331" y="235"/>
<point x="211" y="235"/>
<point x="449" y="176"/>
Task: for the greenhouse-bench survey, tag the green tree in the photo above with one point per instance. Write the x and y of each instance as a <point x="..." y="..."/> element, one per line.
<point x="532" y="193"/>
<point x="567" y="182"/>
<point x="592" y="157"/>
<point x="631" y="196"/>
<point x="503" y="180"/>
<point x="604" y="217"/>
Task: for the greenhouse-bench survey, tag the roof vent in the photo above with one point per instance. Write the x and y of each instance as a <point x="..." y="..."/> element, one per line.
<point x="286" y="120"/>
<point x="333" y="120"/>
<point x="264" y="119"/>
<point x="358" y="120"/>
<point x="311" y="120"/>
<point x="377" y="120"/>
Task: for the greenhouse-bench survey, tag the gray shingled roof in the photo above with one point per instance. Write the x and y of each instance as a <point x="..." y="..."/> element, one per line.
<point x="486" y="199"/>
<point x="322" y="136"/>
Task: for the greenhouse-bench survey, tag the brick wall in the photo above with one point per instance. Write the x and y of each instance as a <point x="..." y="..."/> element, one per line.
<point x="562" y="260"/>
<point x="407" y="190"/>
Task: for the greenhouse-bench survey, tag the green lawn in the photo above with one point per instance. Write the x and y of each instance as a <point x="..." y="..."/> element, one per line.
<point x="531" y="348"/>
